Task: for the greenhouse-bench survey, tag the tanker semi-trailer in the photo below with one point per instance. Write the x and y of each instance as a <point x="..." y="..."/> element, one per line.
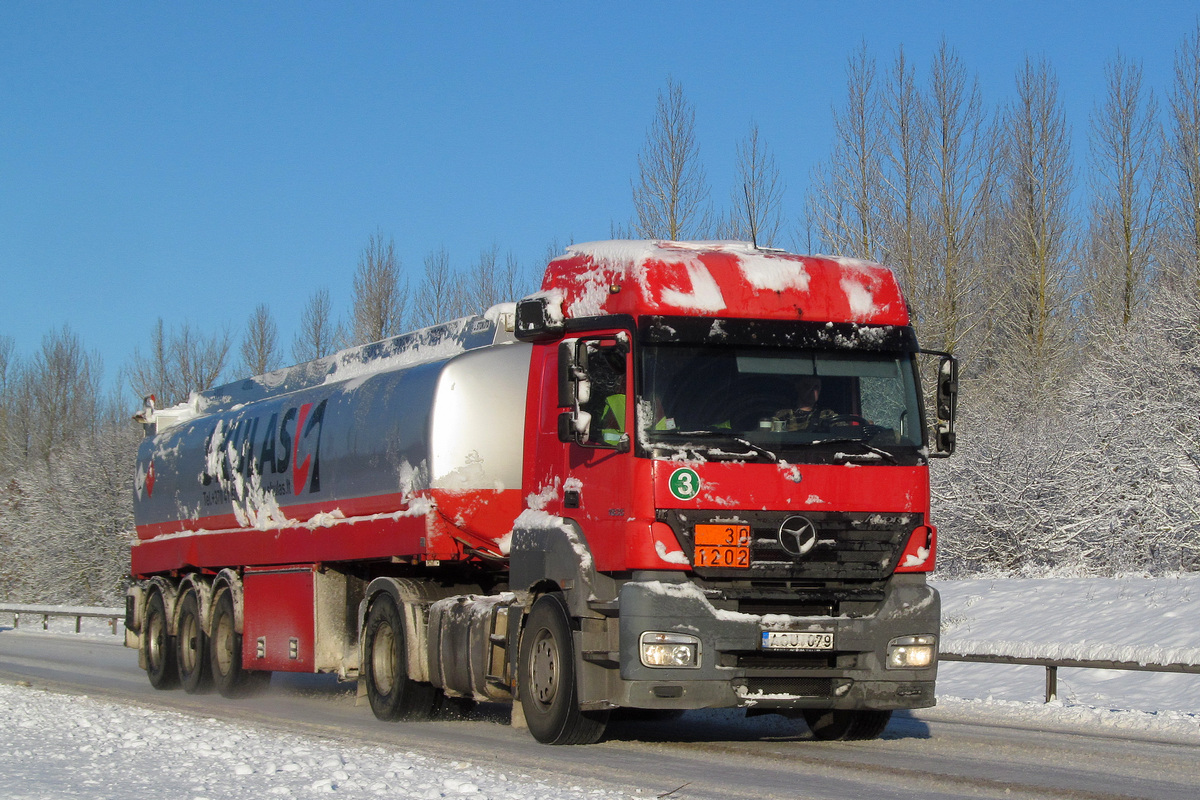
<point x="680" y="476"/>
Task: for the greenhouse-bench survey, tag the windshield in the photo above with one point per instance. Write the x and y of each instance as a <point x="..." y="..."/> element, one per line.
<point x="782" y="404"/>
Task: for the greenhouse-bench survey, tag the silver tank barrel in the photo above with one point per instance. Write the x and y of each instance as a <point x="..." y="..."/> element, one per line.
<point x="362" y="432"/>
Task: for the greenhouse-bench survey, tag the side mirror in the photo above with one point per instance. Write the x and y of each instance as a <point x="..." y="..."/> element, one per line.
<point x="574" y="390"/>
<point x="539" y="320"/>
<point x="947" y="405"/>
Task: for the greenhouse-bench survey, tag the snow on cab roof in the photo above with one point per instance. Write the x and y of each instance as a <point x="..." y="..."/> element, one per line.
<point x="722" y="279"/>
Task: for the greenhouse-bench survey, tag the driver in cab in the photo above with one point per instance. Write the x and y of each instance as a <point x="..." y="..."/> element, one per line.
<point x="807" y="414"/>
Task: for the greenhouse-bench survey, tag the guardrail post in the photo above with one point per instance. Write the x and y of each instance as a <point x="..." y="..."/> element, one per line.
<point x="1051" y="684"/>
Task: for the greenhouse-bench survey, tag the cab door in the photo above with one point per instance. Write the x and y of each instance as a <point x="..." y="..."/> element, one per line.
<point x="596" y="425"/>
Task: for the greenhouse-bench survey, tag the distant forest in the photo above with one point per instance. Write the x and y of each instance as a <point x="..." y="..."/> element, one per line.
<point x="1067" y="283"/>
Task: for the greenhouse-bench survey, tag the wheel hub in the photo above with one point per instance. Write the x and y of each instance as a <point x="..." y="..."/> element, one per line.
<point x="544" y="669"/>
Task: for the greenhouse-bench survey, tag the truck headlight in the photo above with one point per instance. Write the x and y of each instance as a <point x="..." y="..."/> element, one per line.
<point x="660" y="649"/>
<point x="912" y="652"/>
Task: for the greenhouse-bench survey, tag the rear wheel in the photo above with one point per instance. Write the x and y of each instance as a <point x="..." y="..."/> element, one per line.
<point x="158" y="646"/>
<point x="829" y="725"/>
<point x="225" y="653"/>
<point x="391" y="694"/>
<point x="547" y="680"/>
<point x="192" y="646"/>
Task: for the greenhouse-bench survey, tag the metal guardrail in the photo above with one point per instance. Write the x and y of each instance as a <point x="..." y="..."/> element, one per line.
<point x="113" y="615"/>
<point x="1052" y="665"/>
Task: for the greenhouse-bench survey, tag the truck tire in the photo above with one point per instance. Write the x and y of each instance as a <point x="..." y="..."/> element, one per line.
<point x="829" y="725"/>
<point x="547" y="681"/>
<point x="392" y="695"/>
<point x="191" y="652"/>
<point x="158" y="646"/>
<point x="225" y="653"/>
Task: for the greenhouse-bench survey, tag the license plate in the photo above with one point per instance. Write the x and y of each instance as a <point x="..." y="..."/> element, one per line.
<point x="722" y="545"/>
<point x="796" y="640"/>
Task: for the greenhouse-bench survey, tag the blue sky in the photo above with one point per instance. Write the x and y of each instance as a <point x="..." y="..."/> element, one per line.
<point x="191" y="160"/>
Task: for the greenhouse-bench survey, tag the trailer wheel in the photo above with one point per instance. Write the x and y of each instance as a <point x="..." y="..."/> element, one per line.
<point x="392" y="695"/>
<point x="225" y="654"/>
<point x="158" y="645"/>
<point x="547" y="681"/>
<point x="829" y="725"/>
<point x="192" y="647"/>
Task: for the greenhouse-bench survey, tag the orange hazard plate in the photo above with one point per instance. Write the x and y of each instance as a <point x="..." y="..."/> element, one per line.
<point x="722" y="545"/>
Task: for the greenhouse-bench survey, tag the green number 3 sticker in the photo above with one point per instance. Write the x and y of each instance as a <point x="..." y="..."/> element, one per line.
<point x="685" y="483"/>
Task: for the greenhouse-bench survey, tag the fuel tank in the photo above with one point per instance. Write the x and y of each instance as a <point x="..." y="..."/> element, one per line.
<point x="427" y="423"/>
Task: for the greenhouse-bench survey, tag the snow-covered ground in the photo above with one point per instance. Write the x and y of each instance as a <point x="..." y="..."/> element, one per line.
<point x="63" y="746"/>
<point x="1131" y="618"/>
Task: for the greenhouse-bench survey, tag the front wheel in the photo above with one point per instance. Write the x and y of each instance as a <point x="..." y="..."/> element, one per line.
<point x="547" y="680"/>
<point x="829" y="725"/>
<point x="391" y="694"/>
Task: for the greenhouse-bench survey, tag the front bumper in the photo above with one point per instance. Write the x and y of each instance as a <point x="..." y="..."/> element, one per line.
<point x="734" y="670"/>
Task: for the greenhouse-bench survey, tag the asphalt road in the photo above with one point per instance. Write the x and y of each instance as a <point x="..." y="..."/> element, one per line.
<point x="702" y="755"/>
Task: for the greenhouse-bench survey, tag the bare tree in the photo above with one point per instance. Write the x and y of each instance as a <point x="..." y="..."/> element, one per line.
<point x="180" y="362"/>
<point x="844" y="206"/>
<point x="1183" y="153"/>
<point x="670" y="195"/>
<point x="962" y="163"/>
<point x="555" y="248"/>
<point x="481" y="286"/>
<point x="1038" y="217"/>
<point x="1126" y="206"/>
<point x="514" y="281"/>
<point x="8" y="381"/>
<point x="65" y="517"/>
<point x="260" y="344"/>
<point x="380" y="302"/>
<point x="441" y="296"/>
<point x="318" y="333"/>
<point x="904" y="231"/>
<point x="758" y="198"/>
<point x="63" y="389"/>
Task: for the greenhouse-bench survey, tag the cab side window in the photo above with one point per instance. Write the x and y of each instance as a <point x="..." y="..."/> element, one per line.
<point x="608" y="392"/>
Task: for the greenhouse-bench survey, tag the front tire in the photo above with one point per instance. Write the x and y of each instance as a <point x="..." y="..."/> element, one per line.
<point x="158" y="646"/>
<point x="829" y="725"/>
<point x="391" y="694"/>
<point x="547" y="683"/>
<point x="191" y="650"/>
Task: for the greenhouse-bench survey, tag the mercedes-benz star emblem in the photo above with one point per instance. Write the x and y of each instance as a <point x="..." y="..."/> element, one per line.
<point x="797" y="535"/>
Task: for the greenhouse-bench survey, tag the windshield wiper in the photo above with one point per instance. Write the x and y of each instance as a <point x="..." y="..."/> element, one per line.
<point x="720" y="454"/>
<point x="853" y="440"/>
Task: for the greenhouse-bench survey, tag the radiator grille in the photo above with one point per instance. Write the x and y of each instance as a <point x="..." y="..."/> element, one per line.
<point x="849" y="546"/>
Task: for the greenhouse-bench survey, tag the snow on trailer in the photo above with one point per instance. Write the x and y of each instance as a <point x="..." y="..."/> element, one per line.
<point x="630" y="489"/>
